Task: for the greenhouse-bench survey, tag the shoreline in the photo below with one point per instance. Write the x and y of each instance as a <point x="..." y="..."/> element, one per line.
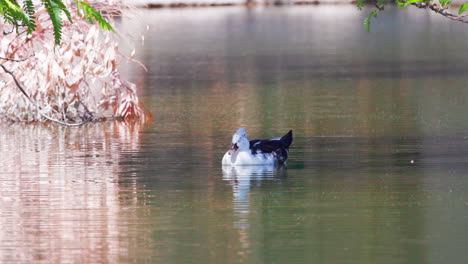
<point x="190" y="4"/>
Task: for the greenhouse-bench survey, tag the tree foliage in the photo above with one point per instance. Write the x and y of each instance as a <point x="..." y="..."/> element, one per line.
<point x="441" y="7"/>
<point x="72" y="83"/>
<point x="24" y="16"/>
<point x="90" y="14"/>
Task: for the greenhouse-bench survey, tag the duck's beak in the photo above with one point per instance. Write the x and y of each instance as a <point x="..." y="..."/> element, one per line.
<point x="233" y="149"/>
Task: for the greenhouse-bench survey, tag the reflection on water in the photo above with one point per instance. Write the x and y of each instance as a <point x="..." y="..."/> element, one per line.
<point x="241" y="178"/>
<point x="59" y="192"/>
<point x="376" y="173"/>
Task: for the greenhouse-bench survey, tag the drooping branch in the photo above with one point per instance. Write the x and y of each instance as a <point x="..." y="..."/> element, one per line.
<point x="440" y="7"/>
<point x="437" y="8"/>
<point x="18" y="84"/>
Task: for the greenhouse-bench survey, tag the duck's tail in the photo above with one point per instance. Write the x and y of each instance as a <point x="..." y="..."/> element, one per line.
<point x="287" y="139"/>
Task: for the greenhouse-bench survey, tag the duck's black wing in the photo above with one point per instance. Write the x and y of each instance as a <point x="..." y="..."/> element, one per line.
<point x="265" y="146"/>
<point x="279" y="146"/>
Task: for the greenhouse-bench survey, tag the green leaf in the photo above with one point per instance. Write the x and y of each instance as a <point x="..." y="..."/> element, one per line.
<point x="92" y="15"/>
<point x="445" y="3"/>
<point x="13" y="14"/>
<point x="54" y="12"/>
<point x="64" y="9"/>
<point x="367" y="20"/>
<point x="381" y="3"/>
<point x="29" y="8"/>
<point x="402" y="4"/>
<point x="463" y="8"/>
<point x="360" y="4"/>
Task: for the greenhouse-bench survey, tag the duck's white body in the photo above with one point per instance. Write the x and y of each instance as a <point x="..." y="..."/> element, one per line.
<point x="247" y="158"/>
<point x="257" y="152"/>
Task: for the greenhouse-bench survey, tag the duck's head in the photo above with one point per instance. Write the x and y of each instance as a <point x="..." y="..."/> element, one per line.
<point x="239" y="141"/>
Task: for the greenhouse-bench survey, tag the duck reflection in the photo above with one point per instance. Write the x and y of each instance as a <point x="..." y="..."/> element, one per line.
<point x="244" y="179"/>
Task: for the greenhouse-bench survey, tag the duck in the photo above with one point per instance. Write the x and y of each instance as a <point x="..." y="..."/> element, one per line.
<point x="257" y="152"/>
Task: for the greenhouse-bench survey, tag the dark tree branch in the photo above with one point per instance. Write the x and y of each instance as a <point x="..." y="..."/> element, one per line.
<point x="14" y="60"/>
<point x="8" y="33"/>
<point x="16" y="82"/>
<point x="379" y="7"/>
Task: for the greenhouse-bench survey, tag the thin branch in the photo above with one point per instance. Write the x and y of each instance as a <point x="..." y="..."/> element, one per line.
<point x="379" y="7"/>
<point x="8" y="33"/>
<point x="18" y="84"/>
<point x="64" y="123"/>
<point x="86" y="108"/>
<point x="15" y="60"/>
<point x="440" y="10"/>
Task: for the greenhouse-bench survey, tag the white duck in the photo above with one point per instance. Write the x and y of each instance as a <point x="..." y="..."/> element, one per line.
<point x="257" y="152"/>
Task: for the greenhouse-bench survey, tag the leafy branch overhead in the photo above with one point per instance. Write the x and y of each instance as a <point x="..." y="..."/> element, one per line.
<point x="90" y="14"/>
<point x="24" y="16"/>
<point x="440" y="7"/>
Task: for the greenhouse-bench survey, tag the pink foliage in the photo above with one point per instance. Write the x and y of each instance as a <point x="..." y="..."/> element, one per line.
<point x="73" y="82"/>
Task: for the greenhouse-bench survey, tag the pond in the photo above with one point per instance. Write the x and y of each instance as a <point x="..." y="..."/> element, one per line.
<point x="377" y="171"/>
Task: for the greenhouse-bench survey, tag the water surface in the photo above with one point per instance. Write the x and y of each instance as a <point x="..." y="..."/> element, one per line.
<point x="377" y="170"/>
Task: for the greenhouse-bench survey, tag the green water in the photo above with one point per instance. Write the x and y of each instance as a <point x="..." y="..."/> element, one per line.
<point x="377" y="171"/>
